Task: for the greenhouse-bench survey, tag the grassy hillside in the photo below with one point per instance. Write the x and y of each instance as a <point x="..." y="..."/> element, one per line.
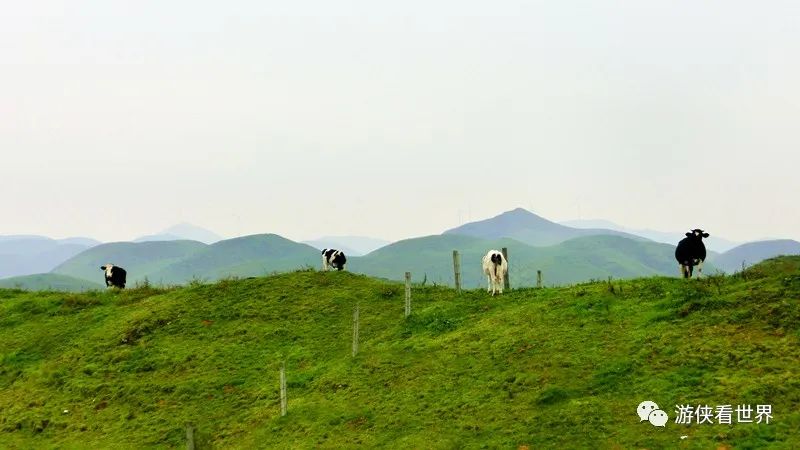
<point x="49" y="282"/>
<point x="140" y="259"/>
<point x="547" y="368"/>
<point x="179" y="262"/>
<point x="754" y="252"/>
<point x="246" y="256"/>
<point x="431" y="256"/>
<point x="527" y="227"/>
<point x="576" y="260"/>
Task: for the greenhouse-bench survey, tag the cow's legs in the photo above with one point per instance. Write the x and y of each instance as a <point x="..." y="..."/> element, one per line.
<point x="699" y="269"/>
<point x="324" y="264"/>
<point x="489" y="283"/>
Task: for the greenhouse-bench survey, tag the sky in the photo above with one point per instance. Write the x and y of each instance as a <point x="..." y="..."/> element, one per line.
<point x="397" y="119"/>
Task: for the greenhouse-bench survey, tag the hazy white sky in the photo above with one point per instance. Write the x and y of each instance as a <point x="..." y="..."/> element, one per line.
<point x="396" y="119"/>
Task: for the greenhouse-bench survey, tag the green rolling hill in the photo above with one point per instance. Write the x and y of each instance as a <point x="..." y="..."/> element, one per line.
<point x="429" y="255"/>
<point x="140" y="259"/>
<point x="246" y="256"/>
<point x="430" y="258"/>
<point x="565" y="255"/>
<point x="534" y="368"/>
<point x="49" y="282"/>
<point x="178" y="262"/>
<point x="576" y="260"/>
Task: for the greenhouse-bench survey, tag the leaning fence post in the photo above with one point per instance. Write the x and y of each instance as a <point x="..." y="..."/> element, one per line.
<point x="283" y="389"/>
<point x="189" y="436"/>
<point x="355" y="330"/>
<point x="457" y="270"/>
<point x="538" y="278"/>
<point x="506" y="282"/>
<point x="408" y="294"/>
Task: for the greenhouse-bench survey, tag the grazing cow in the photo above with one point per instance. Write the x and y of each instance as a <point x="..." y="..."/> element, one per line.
<point x="691" y="252"/>
<point x="333" y="258"/>
<point x="115" y="275"/>
<point x="495" y="267"/>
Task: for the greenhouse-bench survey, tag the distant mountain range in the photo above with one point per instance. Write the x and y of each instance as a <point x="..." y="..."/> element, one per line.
<point x="755" y="252"/>
<point x="530" y="229"/>
<point x="178" y="262"/>
<point x="25" y="255"/>
<point x="713" y="242"/>
<point x="564" y="254"/>
<point x="22" y="255"/>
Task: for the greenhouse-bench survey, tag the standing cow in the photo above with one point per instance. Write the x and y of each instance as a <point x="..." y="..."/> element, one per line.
<point x="691" y="252"/>
<point x="115" y="275"/>
<point x="495" y="267"/>
<point x="333" y="258"/>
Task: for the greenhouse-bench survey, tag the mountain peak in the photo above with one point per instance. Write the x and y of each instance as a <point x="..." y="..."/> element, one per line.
<point x="527" y="227"/>
<point x="183" y="231"/>
<point x="517" y="223"/>
<point x="523" y="216"/>
<point x="518" y="212"/>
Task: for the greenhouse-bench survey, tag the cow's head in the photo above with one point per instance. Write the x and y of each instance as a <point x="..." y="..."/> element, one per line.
<point x="697" y="234"/>
<point x="107" y="269"/>
<point x="497" y="258"/>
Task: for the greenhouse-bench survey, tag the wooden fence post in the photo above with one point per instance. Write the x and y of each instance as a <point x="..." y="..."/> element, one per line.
<point x="506" y="281"/>
<point x="283" y="389"/>
<point x="408" y="294"/>
<point x="457" y="270"/>
<point x="538" y="278"/>
<point x="355" y="331"/>
<point x="189" y="436"/>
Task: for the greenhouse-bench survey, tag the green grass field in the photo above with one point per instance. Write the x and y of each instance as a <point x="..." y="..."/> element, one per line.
<point x="547" y="368"/>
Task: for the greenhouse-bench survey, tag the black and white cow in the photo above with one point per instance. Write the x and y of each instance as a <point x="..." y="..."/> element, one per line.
<point x="495" y="267"/>
<point x="691" y="252"/>
<point x="333" y="258"/>
<point x="115" y="276"/>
